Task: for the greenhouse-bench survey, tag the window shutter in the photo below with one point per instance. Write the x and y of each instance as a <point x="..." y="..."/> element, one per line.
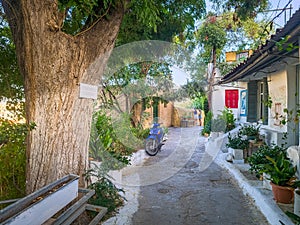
<point x="252" y="101"/>
<point x="266" y="95"/>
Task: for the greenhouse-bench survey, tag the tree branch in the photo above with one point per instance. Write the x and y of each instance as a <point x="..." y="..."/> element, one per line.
<point x="102" y="34"/>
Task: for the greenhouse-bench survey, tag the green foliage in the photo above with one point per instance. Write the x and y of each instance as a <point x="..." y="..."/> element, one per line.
<point x="212" y="36"/>
<point x="243" y="8"/>
<point x="207" y="123"/>
<point x="295" y="218"/>
<point x="283" y="45"/>
<point x="139" y="82"/>
<point x="159" y="20"/>
<point x="237" y="142"/>
<point x="106" y="193"/>
<point x="281" y="170"/>
<point x="223" y="123"/>
<point x="268" y="102"/>
<point x="105" y="146"/>
<point x="291" y="115"/>
<point x="11" y="82"/>
<point x="140" y="132"/>
<point x="198" y="102"/>
<point x="258" y="159"/>
<point x="12" y="134"/>
<point x="144" y="19"/>
<point x="205" y="106"/>
<point x="195" y="91"/>
<point x="250" y="130"/>
<point x="12" y="159"/>
<point x="225" y="67"/>
<point x="111" y="144"/>
<point x="228" y="116"/>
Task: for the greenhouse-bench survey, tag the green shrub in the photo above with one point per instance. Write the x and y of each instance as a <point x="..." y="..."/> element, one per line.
<point x="207" y="123"/>
<point x="258" y="159"/>
<point x="105" y="146"/>
<point x="205" y="106"/>
<point x="12" y="159"/>
<point x="280" y="169"/>
<point x="237" y="142"/>
<point x="106" y="193"/>
<point x="228" y="116"/>
<point x="250" y="130"/>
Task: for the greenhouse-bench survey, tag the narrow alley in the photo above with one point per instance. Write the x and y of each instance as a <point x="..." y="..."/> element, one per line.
<point x="189" y="195"/>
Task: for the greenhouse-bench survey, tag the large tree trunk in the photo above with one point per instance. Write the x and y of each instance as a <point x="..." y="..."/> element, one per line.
<point x="54" y="64"/>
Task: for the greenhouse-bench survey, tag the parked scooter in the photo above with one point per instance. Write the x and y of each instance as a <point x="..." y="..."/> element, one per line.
<point x="155" y="139"/>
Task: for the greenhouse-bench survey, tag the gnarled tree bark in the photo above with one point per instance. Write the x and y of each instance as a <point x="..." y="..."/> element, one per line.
<point x="53" y="64"/>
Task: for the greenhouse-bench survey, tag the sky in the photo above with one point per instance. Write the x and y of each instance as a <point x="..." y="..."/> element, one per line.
<point x="179" y="76"/>
<point x="285" y="15"/>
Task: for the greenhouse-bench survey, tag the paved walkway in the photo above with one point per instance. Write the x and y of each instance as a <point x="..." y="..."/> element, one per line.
<point x="171" y="188"/>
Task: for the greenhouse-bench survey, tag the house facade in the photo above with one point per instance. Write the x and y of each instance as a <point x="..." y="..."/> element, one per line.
<point x="272" y="84"/>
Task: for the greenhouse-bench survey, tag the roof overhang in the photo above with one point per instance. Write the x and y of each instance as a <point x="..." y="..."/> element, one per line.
<point x="269" y="57"/>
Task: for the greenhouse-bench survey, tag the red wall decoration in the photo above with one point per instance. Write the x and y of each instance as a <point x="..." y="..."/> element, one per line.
<point x="232" y="98"/>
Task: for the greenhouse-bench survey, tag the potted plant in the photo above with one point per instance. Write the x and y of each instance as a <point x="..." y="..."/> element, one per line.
<point x="282" y="176"/>
<point x="251" y="131"/>
<point x="237" y="145"/>
<point x="258" y="159"/>
<point x="228" y="116"/>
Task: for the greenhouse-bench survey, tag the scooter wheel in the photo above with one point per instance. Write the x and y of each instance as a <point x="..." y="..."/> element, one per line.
<point x="151" y="146"/>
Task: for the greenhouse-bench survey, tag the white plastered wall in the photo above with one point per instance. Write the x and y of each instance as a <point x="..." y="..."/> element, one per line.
<point x="218" y="98"/>
<point x="277" y="84"/>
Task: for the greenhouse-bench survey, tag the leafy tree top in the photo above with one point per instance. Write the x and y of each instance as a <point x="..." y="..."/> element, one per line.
<point x="244" y="9"/>
<point x="144" y="19"/>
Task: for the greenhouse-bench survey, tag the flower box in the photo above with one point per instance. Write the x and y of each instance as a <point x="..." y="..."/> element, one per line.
<point x="39" y="206"/>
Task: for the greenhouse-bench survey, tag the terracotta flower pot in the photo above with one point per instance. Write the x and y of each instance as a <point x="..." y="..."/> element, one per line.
<point x="283" y="194"/>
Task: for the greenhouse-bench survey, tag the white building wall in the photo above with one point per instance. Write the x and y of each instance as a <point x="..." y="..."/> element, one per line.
<point x="218" y="99"/>
<point x="277" y="84"/>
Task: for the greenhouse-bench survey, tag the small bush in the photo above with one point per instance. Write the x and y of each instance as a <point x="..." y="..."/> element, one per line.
<point x="250" y="130"/>
<point x="106" y="193"/>
<point x="207" y="123"/>
<point x="237" y="142"/>
<point x="258" y="159"/>
<point x="228" y="116"/>
<point x="13" y="159"/>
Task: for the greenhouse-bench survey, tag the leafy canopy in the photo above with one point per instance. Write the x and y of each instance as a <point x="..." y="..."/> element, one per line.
<point x="144" y="19"/>
<point x="244" y="9"/>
